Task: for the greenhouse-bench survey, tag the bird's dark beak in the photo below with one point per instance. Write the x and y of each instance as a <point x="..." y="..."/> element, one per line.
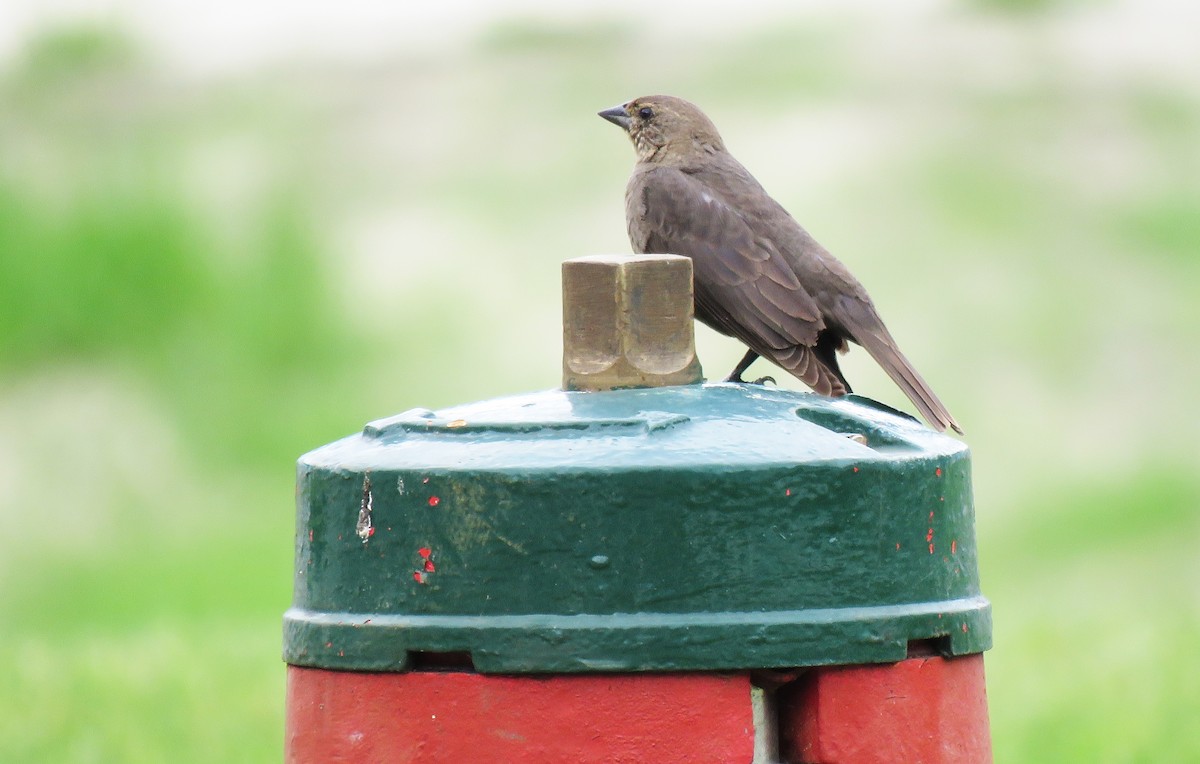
<point x="618" y="116"/>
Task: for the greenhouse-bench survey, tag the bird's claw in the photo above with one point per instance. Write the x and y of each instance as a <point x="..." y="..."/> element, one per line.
<point x="737" y="379"/>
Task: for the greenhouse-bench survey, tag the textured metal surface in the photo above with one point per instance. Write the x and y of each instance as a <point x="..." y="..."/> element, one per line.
<point x="627" y="322"/>
<point x="691" y="527"/>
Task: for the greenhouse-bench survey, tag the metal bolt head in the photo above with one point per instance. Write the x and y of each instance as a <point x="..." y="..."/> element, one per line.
<point x="627" y="322"/>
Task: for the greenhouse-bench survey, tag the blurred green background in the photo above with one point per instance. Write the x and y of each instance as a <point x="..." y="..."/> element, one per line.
<point x="205" y="272"/>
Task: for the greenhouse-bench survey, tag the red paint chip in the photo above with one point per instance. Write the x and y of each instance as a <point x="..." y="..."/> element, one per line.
<point x="954" y="546"/>
<point x="429" y="566"/>
<point x="856" y="469"/>
<point x="419" y="576"/>
<point x="964" y="628"/>
<point x="425" y="552"/>
<point x="788" y="492"/>
<point x="434" y="501"/>
<point x="938" y="472"/>
<point x="931" y="548"/>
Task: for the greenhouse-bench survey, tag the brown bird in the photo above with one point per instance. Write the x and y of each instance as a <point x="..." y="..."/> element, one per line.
<point x="759" y="276"/>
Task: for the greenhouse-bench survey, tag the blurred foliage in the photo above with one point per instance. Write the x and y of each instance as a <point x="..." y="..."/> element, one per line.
<point x="533" y="37"/>
<point x="1166" y="226"/>
<point x="1030" y="7"/>
<point x="200" y="280"/>
<point x="107" y="255"/>
<point x="70" y="53"/>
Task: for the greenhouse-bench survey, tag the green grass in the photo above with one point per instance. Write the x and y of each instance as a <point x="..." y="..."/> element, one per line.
<point x="185" y="309"/>
<point x="152" y="691"/>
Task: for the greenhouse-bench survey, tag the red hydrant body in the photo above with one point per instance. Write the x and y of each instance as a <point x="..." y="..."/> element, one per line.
<point x="929" y="709"/>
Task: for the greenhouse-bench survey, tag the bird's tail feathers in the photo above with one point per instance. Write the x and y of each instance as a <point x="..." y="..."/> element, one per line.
<point x="883" y="349"/>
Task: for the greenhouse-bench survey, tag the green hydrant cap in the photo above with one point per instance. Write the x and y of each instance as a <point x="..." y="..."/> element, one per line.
<point x="690" y="527"/>
<point x="680" y="527"/>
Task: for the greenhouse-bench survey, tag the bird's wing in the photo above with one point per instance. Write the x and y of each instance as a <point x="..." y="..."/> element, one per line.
<point x="743" y="286"/>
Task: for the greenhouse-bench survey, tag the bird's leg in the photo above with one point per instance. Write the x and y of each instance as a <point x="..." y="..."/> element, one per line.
<point x="736" y="374"/>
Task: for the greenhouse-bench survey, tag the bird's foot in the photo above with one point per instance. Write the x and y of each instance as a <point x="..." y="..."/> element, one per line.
<point x="737" y="378"/>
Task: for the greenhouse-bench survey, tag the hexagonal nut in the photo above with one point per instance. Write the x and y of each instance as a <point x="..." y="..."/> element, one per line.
<point x="627" y="322"/>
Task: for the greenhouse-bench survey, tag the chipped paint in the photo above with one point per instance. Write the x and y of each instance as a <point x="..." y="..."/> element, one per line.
<point x="364" y="528"/>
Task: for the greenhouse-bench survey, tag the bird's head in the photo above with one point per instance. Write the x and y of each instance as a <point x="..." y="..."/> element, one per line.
<point x="664" y="127"/>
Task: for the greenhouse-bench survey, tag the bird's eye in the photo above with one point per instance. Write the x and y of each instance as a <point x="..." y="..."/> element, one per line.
<point x="645" y="112"/>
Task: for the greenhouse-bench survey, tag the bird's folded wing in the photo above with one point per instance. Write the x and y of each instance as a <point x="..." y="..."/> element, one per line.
<point x="743" y="286"/>
<point x="746" y="287"/>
